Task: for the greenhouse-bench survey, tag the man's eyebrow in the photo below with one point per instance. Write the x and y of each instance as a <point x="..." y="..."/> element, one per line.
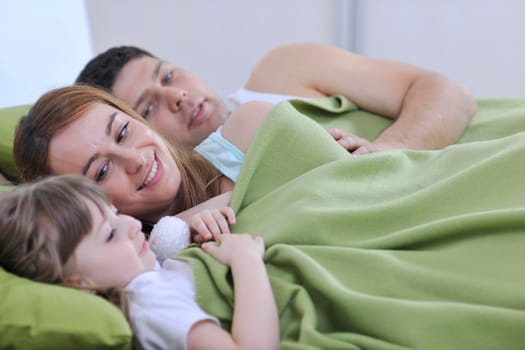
<point x="109" y="126"/>
<point x="154" y="76"/>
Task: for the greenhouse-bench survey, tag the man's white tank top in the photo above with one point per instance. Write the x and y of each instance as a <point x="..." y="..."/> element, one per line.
<point x="227" y="158"/>
<point x="243" y="96"/>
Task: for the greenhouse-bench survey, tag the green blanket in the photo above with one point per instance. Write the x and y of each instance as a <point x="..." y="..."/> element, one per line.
<point x="394" y="250"/>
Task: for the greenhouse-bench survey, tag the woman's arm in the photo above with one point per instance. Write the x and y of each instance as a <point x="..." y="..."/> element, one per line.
<point x="430" y="110"/>
<point x="255" y="321"/>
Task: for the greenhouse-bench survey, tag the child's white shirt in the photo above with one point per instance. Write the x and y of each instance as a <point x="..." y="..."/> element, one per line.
<point x="162" y="306"/>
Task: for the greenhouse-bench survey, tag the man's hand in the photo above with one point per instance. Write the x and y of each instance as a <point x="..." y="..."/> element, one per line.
<point x="357" y="145"/>
<point x="350" y="142"/>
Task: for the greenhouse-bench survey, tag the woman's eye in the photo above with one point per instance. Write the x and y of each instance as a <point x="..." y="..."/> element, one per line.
<point x="102" y="172"/>
<point x="111" y="235"/>
<point x="123" y="132"/>
<point x="167" y="78"/>
<point x="147" y="111"/>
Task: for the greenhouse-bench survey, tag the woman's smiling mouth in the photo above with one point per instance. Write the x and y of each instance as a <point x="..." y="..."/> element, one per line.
<point x="154" y="174"/>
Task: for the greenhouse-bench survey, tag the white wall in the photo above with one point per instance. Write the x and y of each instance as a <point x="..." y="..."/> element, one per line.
<point x="219" y="40"/>
<point x="44" y="45"/>
<point x="480" y="43"/>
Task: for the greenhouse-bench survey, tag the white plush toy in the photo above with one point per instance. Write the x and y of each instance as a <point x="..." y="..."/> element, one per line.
<point x="169" y="236"/>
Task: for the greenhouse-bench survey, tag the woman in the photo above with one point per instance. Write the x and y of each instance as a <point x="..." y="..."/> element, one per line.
<point x="144" y="176"/>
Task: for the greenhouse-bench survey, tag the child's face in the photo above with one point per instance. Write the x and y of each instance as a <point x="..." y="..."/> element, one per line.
<point x="113" y="253"/>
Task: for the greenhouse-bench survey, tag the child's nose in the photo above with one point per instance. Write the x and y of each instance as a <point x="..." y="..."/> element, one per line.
<point x="135" y="228"/>
<point x="133" y="234"/>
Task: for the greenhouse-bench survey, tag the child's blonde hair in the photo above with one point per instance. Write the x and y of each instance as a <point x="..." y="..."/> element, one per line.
<point x="42" y="223"/>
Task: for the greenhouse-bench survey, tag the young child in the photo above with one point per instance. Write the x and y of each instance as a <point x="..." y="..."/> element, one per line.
<point x="64" y="230"/>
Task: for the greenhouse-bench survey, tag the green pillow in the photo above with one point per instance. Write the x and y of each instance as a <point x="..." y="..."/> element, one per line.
<point x="5" y="188"/>
<point x="43" y="316"/>
<point x="9" y="118"/>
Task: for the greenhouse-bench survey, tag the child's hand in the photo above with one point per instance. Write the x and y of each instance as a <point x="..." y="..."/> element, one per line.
<point x="211" y="223"/>
<point x="235" y="246"/>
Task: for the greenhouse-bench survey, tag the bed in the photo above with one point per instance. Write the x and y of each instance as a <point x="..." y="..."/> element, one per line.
<point x="394" y="250"/>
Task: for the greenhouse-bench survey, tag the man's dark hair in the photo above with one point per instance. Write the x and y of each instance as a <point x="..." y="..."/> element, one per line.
<point x="102" y="70"/>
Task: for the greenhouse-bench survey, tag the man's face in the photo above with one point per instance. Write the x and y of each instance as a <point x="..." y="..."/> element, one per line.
<point x="175" y="102"/>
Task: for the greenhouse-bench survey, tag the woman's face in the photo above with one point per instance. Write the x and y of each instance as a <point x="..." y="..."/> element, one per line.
<point x="175" y="102"/>
<point x="128" y="159"/>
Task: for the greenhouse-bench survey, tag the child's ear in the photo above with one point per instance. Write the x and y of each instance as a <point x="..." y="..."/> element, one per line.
<point x="79" y="282"/>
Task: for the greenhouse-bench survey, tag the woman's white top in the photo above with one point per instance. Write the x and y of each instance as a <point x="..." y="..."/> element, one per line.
<point x="163" y="307"/>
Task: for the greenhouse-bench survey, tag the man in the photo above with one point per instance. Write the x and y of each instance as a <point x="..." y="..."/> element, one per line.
<point x="429" y="110"/>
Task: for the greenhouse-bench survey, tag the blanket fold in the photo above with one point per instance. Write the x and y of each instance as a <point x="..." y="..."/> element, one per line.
<point x="393" y="250"/>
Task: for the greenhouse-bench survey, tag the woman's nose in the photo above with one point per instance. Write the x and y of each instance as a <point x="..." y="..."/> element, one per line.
<point x="132" y="161"/>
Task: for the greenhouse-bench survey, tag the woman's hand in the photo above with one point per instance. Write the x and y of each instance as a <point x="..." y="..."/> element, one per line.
<point x="211" y="224"/>
<point x="233" y="246"/>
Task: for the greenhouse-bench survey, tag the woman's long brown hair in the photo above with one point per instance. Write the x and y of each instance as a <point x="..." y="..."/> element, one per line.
<point x="60" y="107"/>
